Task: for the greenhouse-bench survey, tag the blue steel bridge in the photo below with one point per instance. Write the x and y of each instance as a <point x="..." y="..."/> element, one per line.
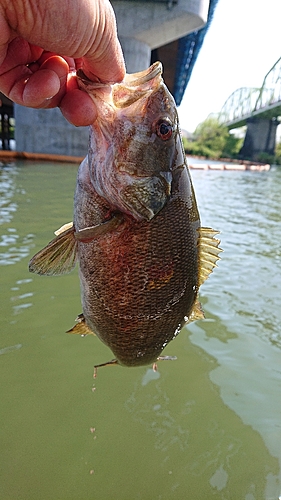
<point x="179" y="57"/>
<point x="259" y="109"/>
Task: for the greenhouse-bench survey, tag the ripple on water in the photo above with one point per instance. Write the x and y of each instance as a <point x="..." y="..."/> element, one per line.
<point x="22" y="299"/>
<point x="247" y="282"/>
<point x="7" y="191"/>
<point x="244" y="295"/>
<point x="13" y="246"/>
<point x="16" y="248"/>
<point x="10" y="348"/>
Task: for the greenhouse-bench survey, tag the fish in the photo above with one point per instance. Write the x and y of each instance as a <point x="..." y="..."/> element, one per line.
<point x="136" y="232"/>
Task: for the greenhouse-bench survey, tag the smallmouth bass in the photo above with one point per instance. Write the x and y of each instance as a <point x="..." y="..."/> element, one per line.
<point x="136" y="232"/>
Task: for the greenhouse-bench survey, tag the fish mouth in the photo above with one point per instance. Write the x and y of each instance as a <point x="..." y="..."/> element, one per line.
<point x="143" y="77"/>
<point x="134" y="86"/>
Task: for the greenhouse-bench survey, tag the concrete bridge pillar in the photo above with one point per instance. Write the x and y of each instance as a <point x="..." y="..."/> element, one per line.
<point x="260" y="137"/>
<point x="47" y="131"/>
<point x="142" y="27"/>
<point x="137" y="54"/>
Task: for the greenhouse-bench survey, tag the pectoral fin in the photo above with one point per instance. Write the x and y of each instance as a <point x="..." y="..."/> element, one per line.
<point x="208" y="252"/>
<point x="58" y="257"/>
<point x="91" y="233"/>
<point x="63" y="228"/>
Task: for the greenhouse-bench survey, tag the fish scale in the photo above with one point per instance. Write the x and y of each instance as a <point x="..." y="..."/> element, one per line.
<point x="136" y="234"/>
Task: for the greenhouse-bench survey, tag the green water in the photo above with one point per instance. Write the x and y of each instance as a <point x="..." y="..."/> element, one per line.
<point x="207" y="426"/>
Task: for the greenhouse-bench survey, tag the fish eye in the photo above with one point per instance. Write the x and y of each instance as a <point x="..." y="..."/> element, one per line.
<point x="164" y="129"/>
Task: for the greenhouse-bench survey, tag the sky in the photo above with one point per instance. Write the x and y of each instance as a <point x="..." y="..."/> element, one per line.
<point x="241" y="45"/>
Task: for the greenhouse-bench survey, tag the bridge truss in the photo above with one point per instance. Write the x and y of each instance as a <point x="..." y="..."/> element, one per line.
<point x="247" y="102"/>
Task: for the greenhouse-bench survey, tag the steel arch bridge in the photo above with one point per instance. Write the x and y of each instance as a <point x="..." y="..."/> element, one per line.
<point x="245" y="103"/>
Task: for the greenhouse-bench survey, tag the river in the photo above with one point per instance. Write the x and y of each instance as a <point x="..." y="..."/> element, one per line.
<point x="207" y="426"/>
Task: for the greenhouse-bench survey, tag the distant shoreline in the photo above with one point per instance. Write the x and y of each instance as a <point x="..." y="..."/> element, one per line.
<point x="200" y="163"/>
<point x="203" y="163"/>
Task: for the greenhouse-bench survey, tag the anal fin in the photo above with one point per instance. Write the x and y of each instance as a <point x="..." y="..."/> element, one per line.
<point x="81" y="327"/>
<point x="195" y="314"/>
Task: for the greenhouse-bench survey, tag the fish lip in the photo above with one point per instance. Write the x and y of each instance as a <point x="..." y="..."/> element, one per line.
<point x="121" y="95"/>
<point x="137" y="86"/>
<point x="94" y="87"/>
<point x="130" y="80"/>
<point x="143" y="77"/>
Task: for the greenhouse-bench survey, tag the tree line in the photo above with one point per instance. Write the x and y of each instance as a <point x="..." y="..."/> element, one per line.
<point x="213" y="140"/>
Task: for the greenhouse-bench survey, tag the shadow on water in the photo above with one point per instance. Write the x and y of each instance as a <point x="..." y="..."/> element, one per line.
<point x="204" y="426"/>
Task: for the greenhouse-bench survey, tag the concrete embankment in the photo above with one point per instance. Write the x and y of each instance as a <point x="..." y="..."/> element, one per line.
<point x="23" y="155"/>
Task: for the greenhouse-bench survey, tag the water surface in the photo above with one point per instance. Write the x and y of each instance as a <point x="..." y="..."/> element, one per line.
<point x="207" y="426"/>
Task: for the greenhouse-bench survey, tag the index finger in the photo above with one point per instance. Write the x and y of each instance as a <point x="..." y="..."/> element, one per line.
<point x="4" y="38"/>
<point x="108" y="67"/>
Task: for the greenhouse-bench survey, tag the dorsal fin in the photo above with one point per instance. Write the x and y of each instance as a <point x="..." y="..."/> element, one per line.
<point x="208" y="255"/>
<point x="208" y="252"/>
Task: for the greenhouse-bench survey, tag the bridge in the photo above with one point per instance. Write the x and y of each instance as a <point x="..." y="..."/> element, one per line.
<point x="259" y="109"/>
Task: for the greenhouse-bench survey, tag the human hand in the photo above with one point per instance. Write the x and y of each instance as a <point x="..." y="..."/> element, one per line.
<point x="43" y="43"/>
